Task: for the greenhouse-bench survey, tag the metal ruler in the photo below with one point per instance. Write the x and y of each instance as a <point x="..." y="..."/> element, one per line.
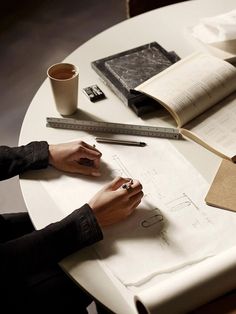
<point x="115" y="128"/>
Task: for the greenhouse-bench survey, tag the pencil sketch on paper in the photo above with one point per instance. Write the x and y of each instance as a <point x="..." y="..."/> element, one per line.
<point x="120" y="167"/>
<point x="155" y="218"/>
<point x="181" y="202"/>
<point x="168" y="230"/>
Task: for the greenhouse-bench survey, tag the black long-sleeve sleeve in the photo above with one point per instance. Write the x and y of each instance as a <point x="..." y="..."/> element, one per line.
<point x="16" y="160"/>
<point x="39" y="249"/>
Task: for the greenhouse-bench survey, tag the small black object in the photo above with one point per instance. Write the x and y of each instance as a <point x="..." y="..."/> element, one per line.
<point x="94" y="93"/>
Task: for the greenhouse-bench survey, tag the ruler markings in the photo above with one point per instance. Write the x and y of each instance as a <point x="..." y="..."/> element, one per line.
<point x="115" y="128"/>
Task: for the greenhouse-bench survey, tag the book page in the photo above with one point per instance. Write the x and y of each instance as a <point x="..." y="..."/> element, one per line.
<point x="191" y="86"/>
<point x="215" y="129"/>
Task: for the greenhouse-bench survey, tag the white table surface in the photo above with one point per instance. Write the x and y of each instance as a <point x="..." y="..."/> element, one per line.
<point x="169" y="26"/>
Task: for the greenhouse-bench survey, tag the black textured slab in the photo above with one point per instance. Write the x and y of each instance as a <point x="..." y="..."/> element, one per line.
<point x="122" y="72"/>
<point x="133" y="68"/>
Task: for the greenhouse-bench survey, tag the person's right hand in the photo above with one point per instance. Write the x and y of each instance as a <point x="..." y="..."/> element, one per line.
<point x="114" y="203"/>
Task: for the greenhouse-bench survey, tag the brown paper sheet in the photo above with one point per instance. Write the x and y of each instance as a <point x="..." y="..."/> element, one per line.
<point x="222" y="192"/>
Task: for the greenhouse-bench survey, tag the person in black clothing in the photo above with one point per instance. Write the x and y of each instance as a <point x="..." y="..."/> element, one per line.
<point x="30" y="279"/>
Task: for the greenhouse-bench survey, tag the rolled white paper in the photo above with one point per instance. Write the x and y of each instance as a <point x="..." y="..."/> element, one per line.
<point x="191" y="288"/>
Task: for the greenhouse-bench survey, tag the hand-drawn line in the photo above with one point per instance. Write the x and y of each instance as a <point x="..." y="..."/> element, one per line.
<point x="152" y="220"/>
<point x="164" y="237"/>
<point x="184" y="201"/>
<point x="122" y="166"/>
<point x="117" y="172"/>
<point x="192" y="202"/>
<point x="154" y="197"/>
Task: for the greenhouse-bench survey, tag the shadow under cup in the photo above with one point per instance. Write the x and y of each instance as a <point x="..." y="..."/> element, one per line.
<point x="64" y="79"/>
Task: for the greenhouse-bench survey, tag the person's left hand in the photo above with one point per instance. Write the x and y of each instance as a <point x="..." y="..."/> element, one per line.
<point x="75" y="157"/>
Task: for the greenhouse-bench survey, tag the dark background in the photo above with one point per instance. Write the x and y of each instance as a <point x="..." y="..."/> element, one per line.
<point x="33" y="35"/>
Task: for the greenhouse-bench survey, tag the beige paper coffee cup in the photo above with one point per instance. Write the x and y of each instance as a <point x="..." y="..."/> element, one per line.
<point x="64" y="79"/>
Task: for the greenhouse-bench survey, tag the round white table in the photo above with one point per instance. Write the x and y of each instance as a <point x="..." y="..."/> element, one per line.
<point x="169" y="26"/>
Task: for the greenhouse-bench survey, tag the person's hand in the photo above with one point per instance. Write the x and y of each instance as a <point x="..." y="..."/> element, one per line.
<point x="75" y="157"/>
<point x="116" y="201"/>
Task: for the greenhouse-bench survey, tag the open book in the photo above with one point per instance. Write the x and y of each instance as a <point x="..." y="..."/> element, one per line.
<point x="200" y="93"/>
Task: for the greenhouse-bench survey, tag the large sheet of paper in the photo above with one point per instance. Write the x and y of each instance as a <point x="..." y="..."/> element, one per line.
<point x="172" y="228"/>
